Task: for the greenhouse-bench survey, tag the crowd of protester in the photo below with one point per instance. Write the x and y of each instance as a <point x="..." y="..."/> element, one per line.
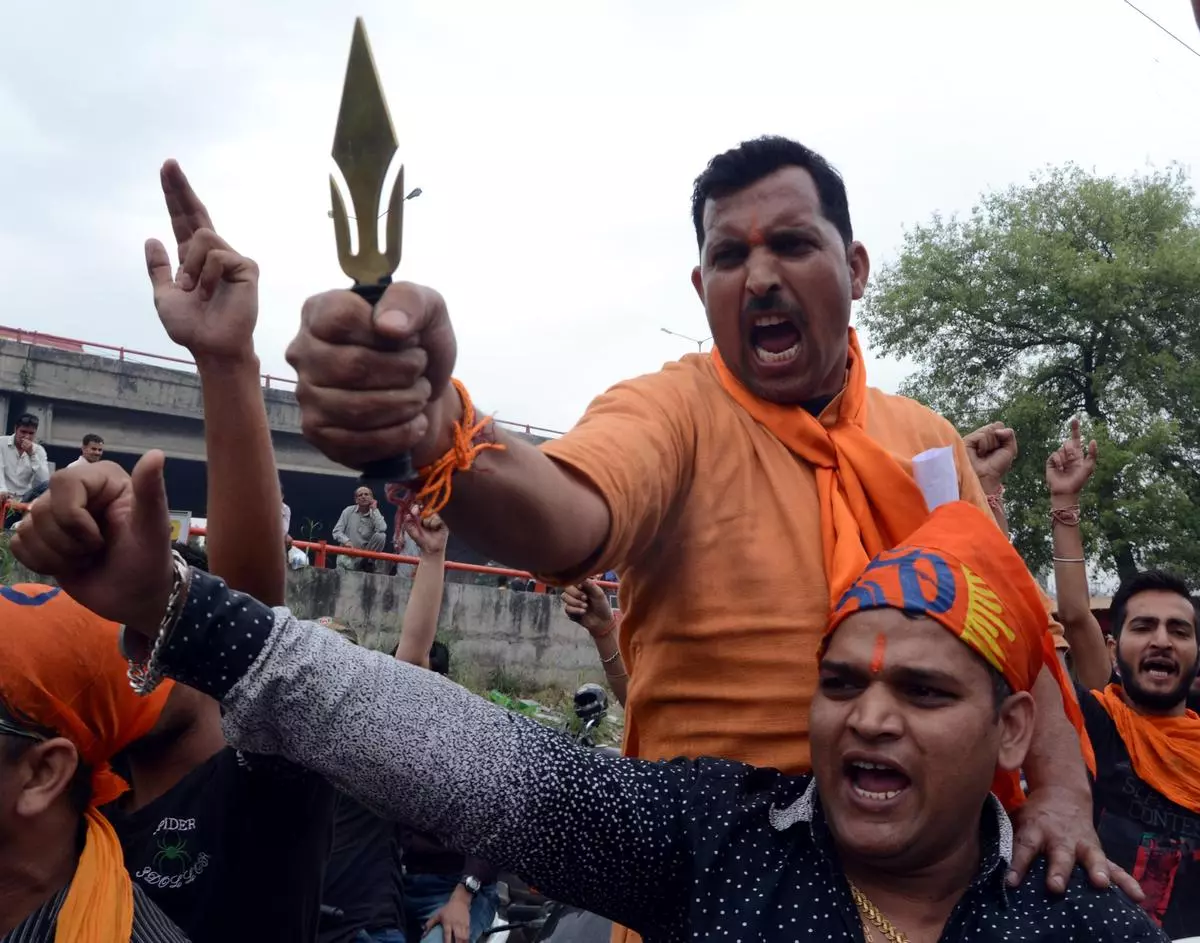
<point x="852" y="713"/>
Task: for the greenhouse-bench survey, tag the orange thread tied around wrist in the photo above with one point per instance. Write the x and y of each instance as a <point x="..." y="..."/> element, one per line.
<point x="468" y="444"/>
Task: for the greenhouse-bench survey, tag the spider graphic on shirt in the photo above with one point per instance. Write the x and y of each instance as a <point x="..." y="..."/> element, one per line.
<point x="172" y="850"/>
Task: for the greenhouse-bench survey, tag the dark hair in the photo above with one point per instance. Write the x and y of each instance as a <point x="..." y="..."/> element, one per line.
<point x="1001" y="689"/>
<point x="27" y="419"/>
<point x="91" y="438"/>
<point x="439" y="658"/>
<point x="1148" y="581"/>
<point x="192" y="556"/>
<point x="750" y="161"/>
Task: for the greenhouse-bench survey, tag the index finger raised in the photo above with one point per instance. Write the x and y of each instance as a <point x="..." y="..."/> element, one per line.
<point x="187" y="213"/>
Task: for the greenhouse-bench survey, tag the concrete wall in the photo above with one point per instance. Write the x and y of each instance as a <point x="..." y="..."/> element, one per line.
<point x="524" y="635"/>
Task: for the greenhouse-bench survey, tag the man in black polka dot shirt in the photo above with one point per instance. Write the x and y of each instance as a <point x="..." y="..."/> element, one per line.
<point x="923" y="709"/>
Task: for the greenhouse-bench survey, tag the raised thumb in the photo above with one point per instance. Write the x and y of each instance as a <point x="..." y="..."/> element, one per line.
<point x="151" y="518"/>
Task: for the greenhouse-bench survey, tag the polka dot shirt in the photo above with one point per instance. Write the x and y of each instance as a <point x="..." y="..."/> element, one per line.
<point x="707" y="850"/>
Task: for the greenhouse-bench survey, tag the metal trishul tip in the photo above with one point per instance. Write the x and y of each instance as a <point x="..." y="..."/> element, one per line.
<point x="363" y="148"/>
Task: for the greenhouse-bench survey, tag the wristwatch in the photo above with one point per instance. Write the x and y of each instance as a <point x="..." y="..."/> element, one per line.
<point x="471" y="883"/>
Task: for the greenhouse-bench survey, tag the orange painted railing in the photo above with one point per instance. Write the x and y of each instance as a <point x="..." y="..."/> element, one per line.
<point x="322" y="549"/>
<point x="41" y="339"/>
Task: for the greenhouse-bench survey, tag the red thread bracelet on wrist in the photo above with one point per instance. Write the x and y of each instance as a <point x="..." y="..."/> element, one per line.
<point x="607" y="630"/>
<point x="470" y="437"/>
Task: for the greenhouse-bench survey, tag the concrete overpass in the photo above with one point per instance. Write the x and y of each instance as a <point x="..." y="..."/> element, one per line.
<point x="75" y="388"/>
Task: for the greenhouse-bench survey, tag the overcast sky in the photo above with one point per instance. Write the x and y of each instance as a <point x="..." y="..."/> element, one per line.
<point x="555" y="143"/>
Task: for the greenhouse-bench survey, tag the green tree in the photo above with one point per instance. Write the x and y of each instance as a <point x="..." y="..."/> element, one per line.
<point x="1074" y="295"/>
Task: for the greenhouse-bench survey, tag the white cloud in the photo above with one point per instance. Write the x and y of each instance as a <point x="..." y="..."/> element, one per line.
<point x="555" y="144"/>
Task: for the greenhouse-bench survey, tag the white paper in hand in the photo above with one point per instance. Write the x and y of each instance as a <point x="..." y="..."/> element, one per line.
<point x="936" y="476"/>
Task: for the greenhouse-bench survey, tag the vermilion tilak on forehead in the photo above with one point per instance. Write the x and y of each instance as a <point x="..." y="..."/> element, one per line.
<point x="755" y="236"/>
<point x="877" y="655"/>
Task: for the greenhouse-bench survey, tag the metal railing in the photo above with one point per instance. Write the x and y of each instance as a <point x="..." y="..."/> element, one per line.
<point x="322" y="550"/>
<point x="74" y="345"/>
<point x="55" y="341"/>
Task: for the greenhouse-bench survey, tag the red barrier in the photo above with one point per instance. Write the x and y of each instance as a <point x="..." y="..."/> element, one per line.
<point x="322" y="548"/>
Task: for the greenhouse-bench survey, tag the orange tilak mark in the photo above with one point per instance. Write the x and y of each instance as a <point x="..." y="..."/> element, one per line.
<point x="755" y="237"/>
<point x="877" y="655"/>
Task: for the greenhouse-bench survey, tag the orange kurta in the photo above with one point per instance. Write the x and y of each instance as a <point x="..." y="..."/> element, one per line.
<point x="716" y="533"/>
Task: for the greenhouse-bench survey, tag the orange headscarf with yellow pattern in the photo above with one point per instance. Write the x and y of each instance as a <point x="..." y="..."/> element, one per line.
<point x="959" y="570"/>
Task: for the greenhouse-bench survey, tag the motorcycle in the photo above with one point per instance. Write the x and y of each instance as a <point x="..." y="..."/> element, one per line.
<point x="525" y="916"/>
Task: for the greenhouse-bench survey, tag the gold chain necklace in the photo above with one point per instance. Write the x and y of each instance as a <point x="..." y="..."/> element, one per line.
<point x="869" y="911"/>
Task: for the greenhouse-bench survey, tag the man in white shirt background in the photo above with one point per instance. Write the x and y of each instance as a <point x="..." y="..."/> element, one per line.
<point x="92" y="451"/>
<point x="23" y="464"/>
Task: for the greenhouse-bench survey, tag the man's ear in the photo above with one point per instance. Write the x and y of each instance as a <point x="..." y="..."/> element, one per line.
<point x="698" y="283"/>
<point x="860" y="269"/>
<point x="44" y="772"/>
<point x="1112" y="652"/>
<point x="1017" y="716"/>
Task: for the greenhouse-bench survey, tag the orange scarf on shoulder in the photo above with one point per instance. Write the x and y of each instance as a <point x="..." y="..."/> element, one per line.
<point x="1164" y="751"/>
<point x="869" y="500"/>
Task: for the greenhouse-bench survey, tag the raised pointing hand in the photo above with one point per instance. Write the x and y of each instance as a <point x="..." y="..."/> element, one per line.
<point x="210" y="304"/>
<point x="1069" y="469"/>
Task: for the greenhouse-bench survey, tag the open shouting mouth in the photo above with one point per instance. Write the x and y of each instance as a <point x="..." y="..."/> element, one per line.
<point x="875" y="780"/>
<point x="1159" y="667"/>
<point x="774" y="338"/>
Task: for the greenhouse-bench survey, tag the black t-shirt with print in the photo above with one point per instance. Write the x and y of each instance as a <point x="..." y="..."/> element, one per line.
<point x="1148" y="835"/>
<point x="363" y="877"/>
<point x="235" y="851"/>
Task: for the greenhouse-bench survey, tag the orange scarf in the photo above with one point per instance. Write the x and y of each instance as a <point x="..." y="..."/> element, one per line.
<point x="869" y="501"/>
<point x="61" y="668"/>
<point x="1164" y="751"/>
<point x="99" y="905"/>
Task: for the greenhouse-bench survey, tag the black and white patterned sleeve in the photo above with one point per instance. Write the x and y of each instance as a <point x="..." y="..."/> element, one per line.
<point x="608" y="835"/>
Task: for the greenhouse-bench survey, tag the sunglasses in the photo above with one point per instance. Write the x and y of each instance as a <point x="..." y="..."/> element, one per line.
<point x="10" y="729"/>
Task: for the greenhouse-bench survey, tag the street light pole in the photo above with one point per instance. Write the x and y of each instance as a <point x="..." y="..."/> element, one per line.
<point x="412" y="195"/>
<point x="699" y="343"/>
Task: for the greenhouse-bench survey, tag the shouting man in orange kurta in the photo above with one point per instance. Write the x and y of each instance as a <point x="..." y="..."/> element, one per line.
<point x="737" y="493"/>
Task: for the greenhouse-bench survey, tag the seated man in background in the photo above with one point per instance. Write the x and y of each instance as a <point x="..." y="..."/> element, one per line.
<point x="92" y="451"/>
<point x="24" y="468"/>
<point x="1146" y="791"/>
<point x="60" y="724"/>
<point x="922" y="709"/>
<point x="362" y="527"/>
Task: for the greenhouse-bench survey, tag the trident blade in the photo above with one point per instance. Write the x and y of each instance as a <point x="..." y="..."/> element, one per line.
<point x="363" y="148"/>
